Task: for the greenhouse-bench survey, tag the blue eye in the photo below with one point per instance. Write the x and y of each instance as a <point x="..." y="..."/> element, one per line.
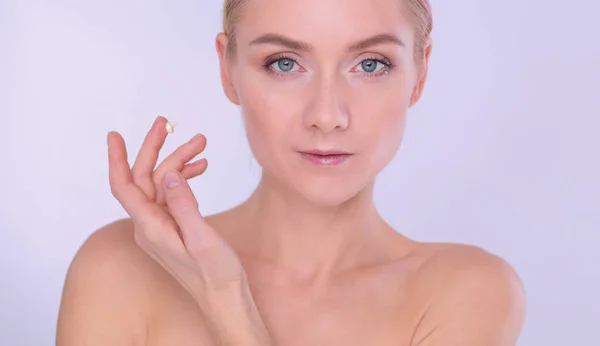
<point x="285" y="64"/>
<point x="282" y="65"/>
<point x="374" y="65"/>
<point x="369" y="65"/>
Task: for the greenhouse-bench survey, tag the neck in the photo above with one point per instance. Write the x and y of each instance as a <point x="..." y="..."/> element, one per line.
<point x="312" y="241"/>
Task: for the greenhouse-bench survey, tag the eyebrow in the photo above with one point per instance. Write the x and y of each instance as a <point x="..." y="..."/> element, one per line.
<point x="303" y="46"/>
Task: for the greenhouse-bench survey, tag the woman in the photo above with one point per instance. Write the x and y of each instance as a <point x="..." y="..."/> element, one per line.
<point x="306" y="259"/>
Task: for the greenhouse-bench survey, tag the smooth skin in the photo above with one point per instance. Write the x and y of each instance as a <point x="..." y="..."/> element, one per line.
<point x="306" y="259"/>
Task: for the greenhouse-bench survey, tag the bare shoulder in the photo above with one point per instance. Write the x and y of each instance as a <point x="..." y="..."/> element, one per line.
<point x="108" y="290"/>
<point x="472" y="296"/>
<point x="460" y="262"/>
<point x="111" y="253"/>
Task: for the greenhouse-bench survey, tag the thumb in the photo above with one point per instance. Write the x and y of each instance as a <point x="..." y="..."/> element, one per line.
<point x="219" y="264"/>
<point x="183" y="207"/>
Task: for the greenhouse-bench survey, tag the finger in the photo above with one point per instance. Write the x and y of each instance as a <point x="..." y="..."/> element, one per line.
<point x="120" y="177"/>
<point x="176" y="162"/>
<point x="194" y="169"/>
<point x="197" y="234"/>
<point x="155" y="222"/>
<point x="181" y="156"/>
<point x="145" y="162"/>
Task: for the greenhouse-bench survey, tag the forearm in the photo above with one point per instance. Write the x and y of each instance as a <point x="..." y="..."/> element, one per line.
<point x="234" y="320"/>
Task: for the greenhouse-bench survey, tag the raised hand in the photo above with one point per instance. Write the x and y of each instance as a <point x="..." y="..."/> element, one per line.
<point x="169" y="227"/>
<point x="167" y="223"/>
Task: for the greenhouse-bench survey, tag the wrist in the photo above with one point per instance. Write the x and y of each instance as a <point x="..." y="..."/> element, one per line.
<point x="235" y="320"/>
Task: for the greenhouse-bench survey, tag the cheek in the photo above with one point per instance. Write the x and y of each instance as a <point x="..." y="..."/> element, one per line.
<point x="385" y="138"/>
<point x="266" y="120"/>
<point x="391" y="136"/>
<point x="380" y="120"/>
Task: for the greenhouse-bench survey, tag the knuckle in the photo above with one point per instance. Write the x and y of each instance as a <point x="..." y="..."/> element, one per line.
<point x="181" y="160"/>
<point x="179" y="154"/>
<point x="151" y="234"/>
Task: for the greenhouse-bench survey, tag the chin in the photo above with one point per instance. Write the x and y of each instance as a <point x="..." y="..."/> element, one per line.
<point x="326" y="191"/>
<point x="321" y="186"/>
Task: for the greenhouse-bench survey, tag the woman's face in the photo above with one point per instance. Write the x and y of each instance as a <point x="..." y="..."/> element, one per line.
<point x="323" y="75"/>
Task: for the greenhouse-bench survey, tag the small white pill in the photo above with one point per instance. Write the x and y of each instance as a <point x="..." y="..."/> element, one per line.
<point x="170" y="127"/>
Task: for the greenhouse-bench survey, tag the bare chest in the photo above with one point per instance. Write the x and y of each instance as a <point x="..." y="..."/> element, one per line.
<point x="363" y="315"/>
<point x="353" y="323"/>
<point x="323" y="326"/>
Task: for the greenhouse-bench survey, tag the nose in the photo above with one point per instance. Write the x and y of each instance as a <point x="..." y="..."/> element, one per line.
<point x="327" y="110"/>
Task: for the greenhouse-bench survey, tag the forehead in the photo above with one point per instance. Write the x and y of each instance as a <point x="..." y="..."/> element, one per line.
<point x="324" y="22"/>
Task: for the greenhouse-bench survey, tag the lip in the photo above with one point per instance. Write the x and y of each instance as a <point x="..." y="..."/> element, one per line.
<point x="325" y="152"/>
<point x="326" y="158"/>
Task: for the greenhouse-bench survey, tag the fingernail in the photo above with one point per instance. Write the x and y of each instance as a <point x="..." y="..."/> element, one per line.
<point x="172" y="180"/>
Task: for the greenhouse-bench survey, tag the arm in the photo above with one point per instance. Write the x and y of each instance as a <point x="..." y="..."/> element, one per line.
<point x="235" y="320"/>
<point x="479" y="302"/>
<point x="103" y="301"/>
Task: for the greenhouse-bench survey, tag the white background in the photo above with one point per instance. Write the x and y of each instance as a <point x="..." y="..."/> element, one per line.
<point x="502" y="152"/>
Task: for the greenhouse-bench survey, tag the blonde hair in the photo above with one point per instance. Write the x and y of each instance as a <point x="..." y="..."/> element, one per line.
<point x="421" y="10"/>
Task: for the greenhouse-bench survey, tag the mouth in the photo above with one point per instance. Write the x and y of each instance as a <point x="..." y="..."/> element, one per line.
<point x="326" y="157"/>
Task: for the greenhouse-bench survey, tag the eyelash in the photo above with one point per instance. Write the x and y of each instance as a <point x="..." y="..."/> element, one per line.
<point x="388" y="66"/>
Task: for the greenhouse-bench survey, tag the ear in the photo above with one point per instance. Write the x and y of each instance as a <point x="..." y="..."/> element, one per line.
<point x="422" y="74"/>
<point x="225" y="67"/>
